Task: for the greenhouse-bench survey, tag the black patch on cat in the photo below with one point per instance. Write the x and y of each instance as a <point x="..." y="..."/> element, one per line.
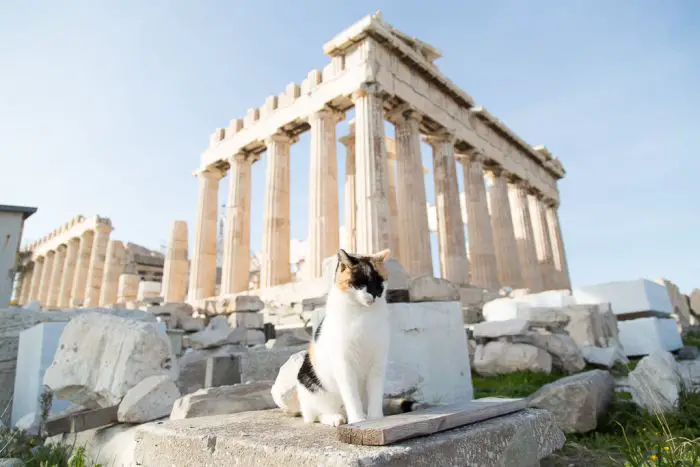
<point x="364" y="274"/>
<point x="308" y="377"/>
<point x="318" y="329"/>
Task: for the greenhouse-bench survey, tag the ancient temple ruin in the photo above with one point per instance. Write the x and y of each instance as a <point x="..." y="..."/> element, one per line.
<point x="511" y="193"/>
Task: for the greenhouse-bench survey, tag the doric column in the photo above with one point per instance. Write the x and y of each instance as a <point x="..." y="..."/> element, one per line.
<point x="35" y="289"/>
<point x="27" y="277"/>
<point x="46" y="277"/>
<point x="482" y="254"/>
<point x="509" y="274"/>
<point x="324" y="235"/>
<point x="82" y="266"/>
<point x="175" y="267"/>
<point x="543" y="244"/>
<point x="414" y="234"/>
<point x="59" y="261"/>
<point x="524" y="237"/>
<point x="235" y="271"/>
<point x="558" y="252"/>
<point x="114" y="266"/>
<point x="349" y="194"/>
<point x="203" y="272"/>
<point x="64" y="290"/>
<point x="97" y="264"/>
<point x="371" y="182"/>
<point x="275" y="261"/>
<point x="454" y="264"/>
<point x="128" y="288"/>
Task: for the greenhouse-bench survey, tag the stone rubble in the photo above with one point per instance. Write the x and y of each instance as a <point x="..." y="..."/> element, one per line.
<point x="498" y="357"/>
<point x="656" y="382"/>
<point x="102" y="356"/>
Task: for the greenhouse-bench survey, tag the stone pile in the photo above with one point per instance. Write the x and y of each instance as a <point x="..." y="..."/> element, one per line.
<point x="592" y="327"/>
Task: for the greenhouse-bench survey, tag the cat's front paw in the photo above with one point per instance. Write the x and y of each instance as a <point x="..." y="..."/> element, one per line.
<point x="357" y="418"/>
<point x="334" y="419"/>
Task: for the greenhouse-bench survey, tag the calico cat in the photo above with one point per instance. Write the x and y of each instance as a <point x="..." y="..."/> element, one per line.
<point x="346" y="361"/>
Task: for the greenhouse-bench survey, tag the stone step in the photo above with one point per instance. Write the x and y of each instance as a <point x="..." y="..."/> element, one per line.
<point x="269" y="438"/>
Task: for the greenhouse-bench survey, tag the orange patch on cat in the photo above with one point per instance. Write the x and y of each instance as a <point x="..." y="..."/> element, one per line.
<point x="311" y="352"/>
<point x="343" y="278"/>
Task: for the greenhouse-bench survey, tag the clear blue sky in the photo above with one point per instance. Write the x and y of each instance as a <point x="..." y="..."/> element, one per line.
<point x="105" y="108"/>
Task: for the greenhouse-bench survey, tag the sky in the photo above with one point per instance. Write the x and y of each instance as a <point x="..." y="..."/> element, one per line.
<point x="106" y="107"/>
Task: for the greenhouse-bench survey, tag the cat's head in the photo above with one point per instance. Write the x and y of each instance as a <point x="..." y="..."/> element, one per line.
<point x="362" y="277"/>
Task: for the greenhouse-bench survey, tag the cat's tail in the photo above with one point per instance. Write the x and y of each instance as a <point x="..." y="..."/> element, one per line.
<point x="397" y="405"/>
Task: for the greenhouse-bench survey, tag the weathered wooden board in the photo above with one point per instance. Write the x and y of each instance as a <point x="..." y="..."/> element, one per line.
<point x="82" y="421"/>
<point x="396" y="428"/>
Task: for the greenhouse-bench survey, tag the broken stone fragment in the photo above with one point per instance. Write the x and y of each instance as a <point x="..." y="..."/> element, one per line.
<point x="224" y="400"/>
<point x="151" y="399"/>
<point x="432" y="289"/>
<point x="101" y="356"/>
<point x="565" y="353"/>
<point x="216" y="334"/>
<point x="656" y="382"/>
<point x="603" y="356"/>
<point x="576" y="401"/>
<point x="495" y="329"/>
<point x="498" y="357"/>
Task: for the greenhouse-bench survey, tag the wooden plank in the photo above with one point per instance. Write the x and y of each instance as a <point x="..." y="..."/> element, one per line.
<point x="396" y="428"/>
<point x="82" y="421"/>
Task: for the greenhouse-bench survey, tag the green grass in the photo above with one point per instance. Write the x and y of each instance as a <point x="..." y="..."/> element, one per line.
<point x="625" y="436"/>
<point x="691" y="338"/>
<point x="15" y="443"/>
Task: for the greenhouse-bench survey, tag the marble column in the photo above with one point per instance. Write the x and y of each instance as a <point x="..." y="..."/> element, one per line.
<point x="394" y="241"/>
<point x="175" y="267"/>
<point x="507" y="261"/>
<point x="371" y="182"/>
<point x="236" y="263"/>
<point x="35" y="289"/>
<point x="482" y="254"/>
<point x="59" y="261"/>
<point x="64" y="290"/>
<point x="543" y="243"/>
<point x="97" y="265"/>
<point x="349" y="193"/>
<point x="275" y="267"/>
<point x="524" y="236"/>
<point x="114" y="266"/>
<point x="561" y="266"/>
<point x="324" y="236"/>
<point x="82" y="266"/>
<point x="414" y="234"/>
<point x="27" y="277"/>
<point x="128" y="288"/>
<point x="46" y="277"/>
<point x="203" y="271"/>
<point x="454" y="265"/>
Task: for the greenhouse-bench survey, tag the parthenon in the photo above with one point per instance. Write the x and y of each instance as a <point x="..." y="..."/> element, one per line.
<point x="510" y="187"/>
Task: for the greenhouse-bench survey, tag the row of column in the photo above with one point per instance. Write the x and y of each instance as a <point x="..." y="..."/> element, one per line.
<point x="514" y="234"/>
<point x="84" y="271"/>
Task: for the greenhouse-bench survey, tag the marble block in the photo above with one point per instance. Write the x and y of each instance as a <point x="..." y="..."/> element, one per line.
<point x="550" y="298"/>
<point x="37" y="346"/>
<point x="644" y="336"/>
<point x="626" y="297"/>
<point x="503" y="309"/>
<point x="428" y="354"/>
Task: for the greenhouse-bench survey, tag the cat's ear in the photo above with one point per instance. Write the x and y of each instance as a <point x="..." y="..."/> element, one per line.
<point x="382" y="256"/>
<point x="345" y="259"/>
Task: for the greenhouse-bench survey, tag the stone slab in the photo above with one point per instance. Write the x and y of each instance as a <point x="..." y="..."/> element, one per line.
<point x="37" y="347"/>
<point x="495" y="329"/>
<point x="626" y="297"/>
<point x="644" y="336"/>
<point x="269" y="438"/>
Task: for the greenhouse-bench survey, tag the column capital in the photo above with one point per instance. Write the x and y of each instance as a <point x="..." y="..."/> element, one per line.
<point x="210" y="172"/>
<point x="367" y="89"/>
<point x="496" y="171"/>
<point x="550" y="202"/>
<point x="440" y="137"/>
<point x="403" y="112"/>
<point x="474" y="155"/>
<point x="531" y="190"/>
<point x="281" y="136"/>
<point x="518" y="182"/>
<point x="103" y="227"/>
<point x="327" y="112"/>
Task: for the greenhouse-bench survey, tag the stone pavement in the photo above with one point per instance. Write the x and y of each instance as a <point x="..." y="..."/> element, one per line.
<point x="269" y="438"/>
